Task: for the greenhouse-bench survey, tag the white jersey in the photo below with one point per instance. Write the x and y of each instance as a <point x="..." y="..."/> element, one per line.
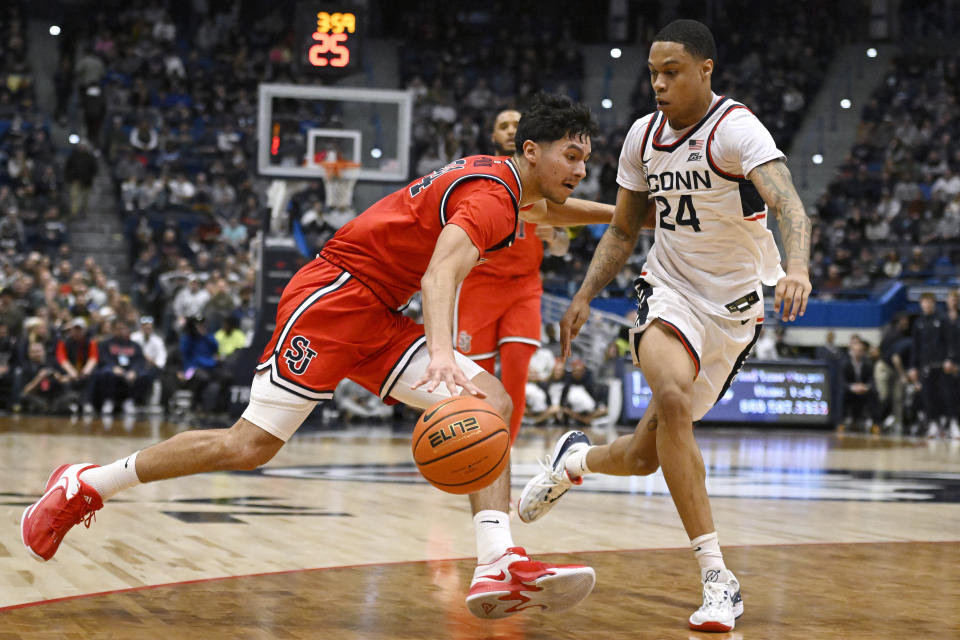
<point x="711" y="242"/>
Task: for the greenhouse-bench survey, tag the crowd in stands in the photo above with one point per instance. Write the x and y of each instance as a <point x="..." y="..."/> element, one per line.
<point x="76" y="344"/>
<point x="167" y="106"/>
<point x="893" y="210"/>
<point x="908" y="383"/>
<point x="32" y="215"/>
<point x="471" y="63"/>
<point x="174" y="141"/>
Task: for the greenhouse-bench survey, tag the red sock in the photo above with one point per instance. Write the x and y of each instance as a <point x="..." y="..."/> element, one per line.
<point x="514" y="368"/>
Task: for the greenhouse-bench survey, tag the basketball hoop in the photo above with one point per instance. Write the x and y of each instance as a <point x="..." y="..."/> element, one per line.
<point x="339" y="178"/>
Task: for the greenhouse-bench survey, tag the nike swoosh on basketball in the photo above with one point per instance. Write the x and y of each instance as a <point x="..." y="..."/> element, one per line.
<point x="427" y="416"/>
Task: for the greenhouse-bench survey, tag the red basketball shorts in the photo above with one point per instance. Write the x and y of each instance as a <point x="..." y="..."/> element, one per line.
<point x="329" y="327"/>
<point x="490" y="312"/>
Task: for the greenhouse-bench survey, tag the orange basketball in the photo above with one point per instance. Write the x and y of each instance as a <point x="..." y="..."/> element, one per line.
<point x="461" y="444"/>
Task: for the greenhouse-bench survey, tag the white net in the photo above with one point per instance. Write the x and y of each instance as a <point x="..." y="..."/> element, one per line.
<point x="339" y="188"/>
<point x="592" y="341"/>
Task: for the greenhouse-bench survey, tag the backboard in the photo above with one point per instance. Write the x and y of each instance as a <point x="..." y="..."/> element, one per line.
<point x="300" y="127"/>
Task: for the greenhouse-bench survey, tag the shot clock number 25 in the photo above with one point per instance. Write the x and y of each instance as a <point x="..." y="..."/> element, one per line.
<point x="331" y="35"/>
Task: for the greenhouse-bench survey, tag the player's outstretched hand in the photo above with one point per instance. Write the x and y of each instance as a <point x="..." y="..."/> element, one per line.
<point x="443" y="369"/>
<point x="545" y="232"/>
<point x="791" y="294"/>
<point x="575" y="317"/>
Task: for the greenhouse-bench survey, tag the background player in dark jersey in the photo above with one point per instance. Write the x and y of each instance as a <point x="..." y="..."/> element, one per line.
<point x="498" y="305"/>
<point x="338" y="317"/>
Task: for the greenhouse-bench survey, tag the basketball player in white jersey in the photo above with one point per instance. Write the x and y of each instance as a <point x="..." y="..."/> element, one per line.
<point x="713" y="172"/>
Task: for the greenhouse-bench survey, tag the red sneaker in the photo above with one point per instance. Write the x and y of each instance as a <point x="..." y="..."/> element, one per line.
<point x="67" y="501"/>
<point x="513" y="582"/>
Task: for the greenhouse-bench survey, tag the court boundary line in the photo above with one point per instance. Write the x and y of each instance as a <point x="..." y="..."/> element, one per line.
<point x="36" y="603"/>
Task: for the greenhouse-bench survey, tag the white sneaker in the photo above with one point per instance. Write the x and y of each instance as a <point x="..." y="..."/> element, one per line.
<point x="933" y="431"/>
<point x="513" y="583"/>
<point x="128" y="407"/>
<point x="721" y="607"/>
<point x="954" y="430"/>
<point x="549" y="485"/>
<point x="88" y="409"/>
<point x="107" y="408"/>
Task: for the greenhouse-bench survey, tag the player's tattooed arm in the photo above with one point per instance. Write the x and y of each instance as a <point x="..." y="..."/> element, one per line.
<point x="617" y="243"/>
<point x="612" y="252"/>
<point x="773" y="181"/>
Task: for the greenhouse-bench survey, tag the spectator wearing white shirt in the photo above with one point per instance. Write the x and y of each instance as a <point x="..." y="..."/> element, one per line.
<point x="228" y="138"/>
<point x="190" y="300"/>
<point x="154" y="349"/>
<point x="877" y="229"/>
<point x="182" y="190"/>
<point x="222" y="192"/>
<point x="164" y="30"/>
<point x="152" y="191"/>
<point x="173" y="65"/>
<point x="144" y="137"/>
<point x="155" y="354"/>
<point x="947" y="186"/>
<point x="888" y="207"/>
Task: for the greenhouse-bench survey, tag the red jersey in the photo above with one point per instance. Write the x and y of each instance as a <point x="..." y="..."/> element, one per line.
<point x="522" y="260"/>
<point x="388" y="246"/>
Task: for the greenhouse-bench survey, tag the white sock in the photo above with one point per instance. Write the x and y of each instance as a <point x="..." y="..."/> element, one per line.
<point x="706" y="548"/>
<point x="111" y="479"/>
<point x="493" y="535"/>
<point x="576" y="463"/>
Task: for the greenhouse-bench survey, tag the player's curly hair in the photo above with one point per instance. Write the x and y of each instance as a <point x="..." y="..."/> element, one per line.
<point x="695" y="37"/>
<point x="549" y="117"/>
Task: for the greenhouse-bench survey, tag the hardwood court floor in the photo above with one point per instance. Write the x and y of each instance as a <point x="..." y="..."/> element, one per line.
<point x="832" y="537"/>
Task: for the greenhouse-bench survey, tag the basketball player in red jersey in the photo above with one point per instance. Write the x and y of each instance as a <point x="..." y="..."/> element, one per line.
<point x="498" y="305"/>
<point x="338" y="317"/>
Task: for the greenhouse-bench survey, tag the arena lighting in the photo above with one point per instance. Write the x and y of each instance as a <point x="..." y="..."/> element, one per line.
<point x="73" y="138"/>
<point x="817" y="158"/>
<point x="606" y="103"/>
<point x="376" y="152"/>
<point x="871" y="53"/>
<point x="845" y="103"/>
<point x="616" y="52"/>
<point x="54" y="30"/>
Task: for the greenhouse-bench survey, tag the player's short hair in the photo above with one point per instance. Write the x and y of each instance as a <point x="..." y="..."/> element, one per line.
<point x="549" y="117"/>
<point x="928" y="295"/>
<point x="693" y="35"/>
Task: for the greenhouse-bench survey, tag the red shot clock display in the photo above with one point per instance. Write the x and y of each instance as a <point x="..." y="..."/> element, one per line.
<point x="329" y="38"/>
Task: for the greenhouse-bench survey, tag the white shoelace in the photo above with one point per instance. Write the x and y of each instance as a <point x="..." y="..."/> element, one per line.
<point x="551" y="477"/>
<point x="714" y="595"/>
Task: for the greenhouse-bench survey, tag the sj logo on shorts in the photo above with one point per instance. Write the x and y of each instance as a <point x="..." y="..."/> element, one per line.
<point x="463" y="341"/>
<point x="299" y="355"/>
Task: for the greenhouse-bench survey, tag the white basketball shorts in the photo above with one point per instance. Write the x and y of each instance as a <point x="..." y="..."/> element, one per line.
<point x="718" y="346"/>
<point x="280" y="412"/>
